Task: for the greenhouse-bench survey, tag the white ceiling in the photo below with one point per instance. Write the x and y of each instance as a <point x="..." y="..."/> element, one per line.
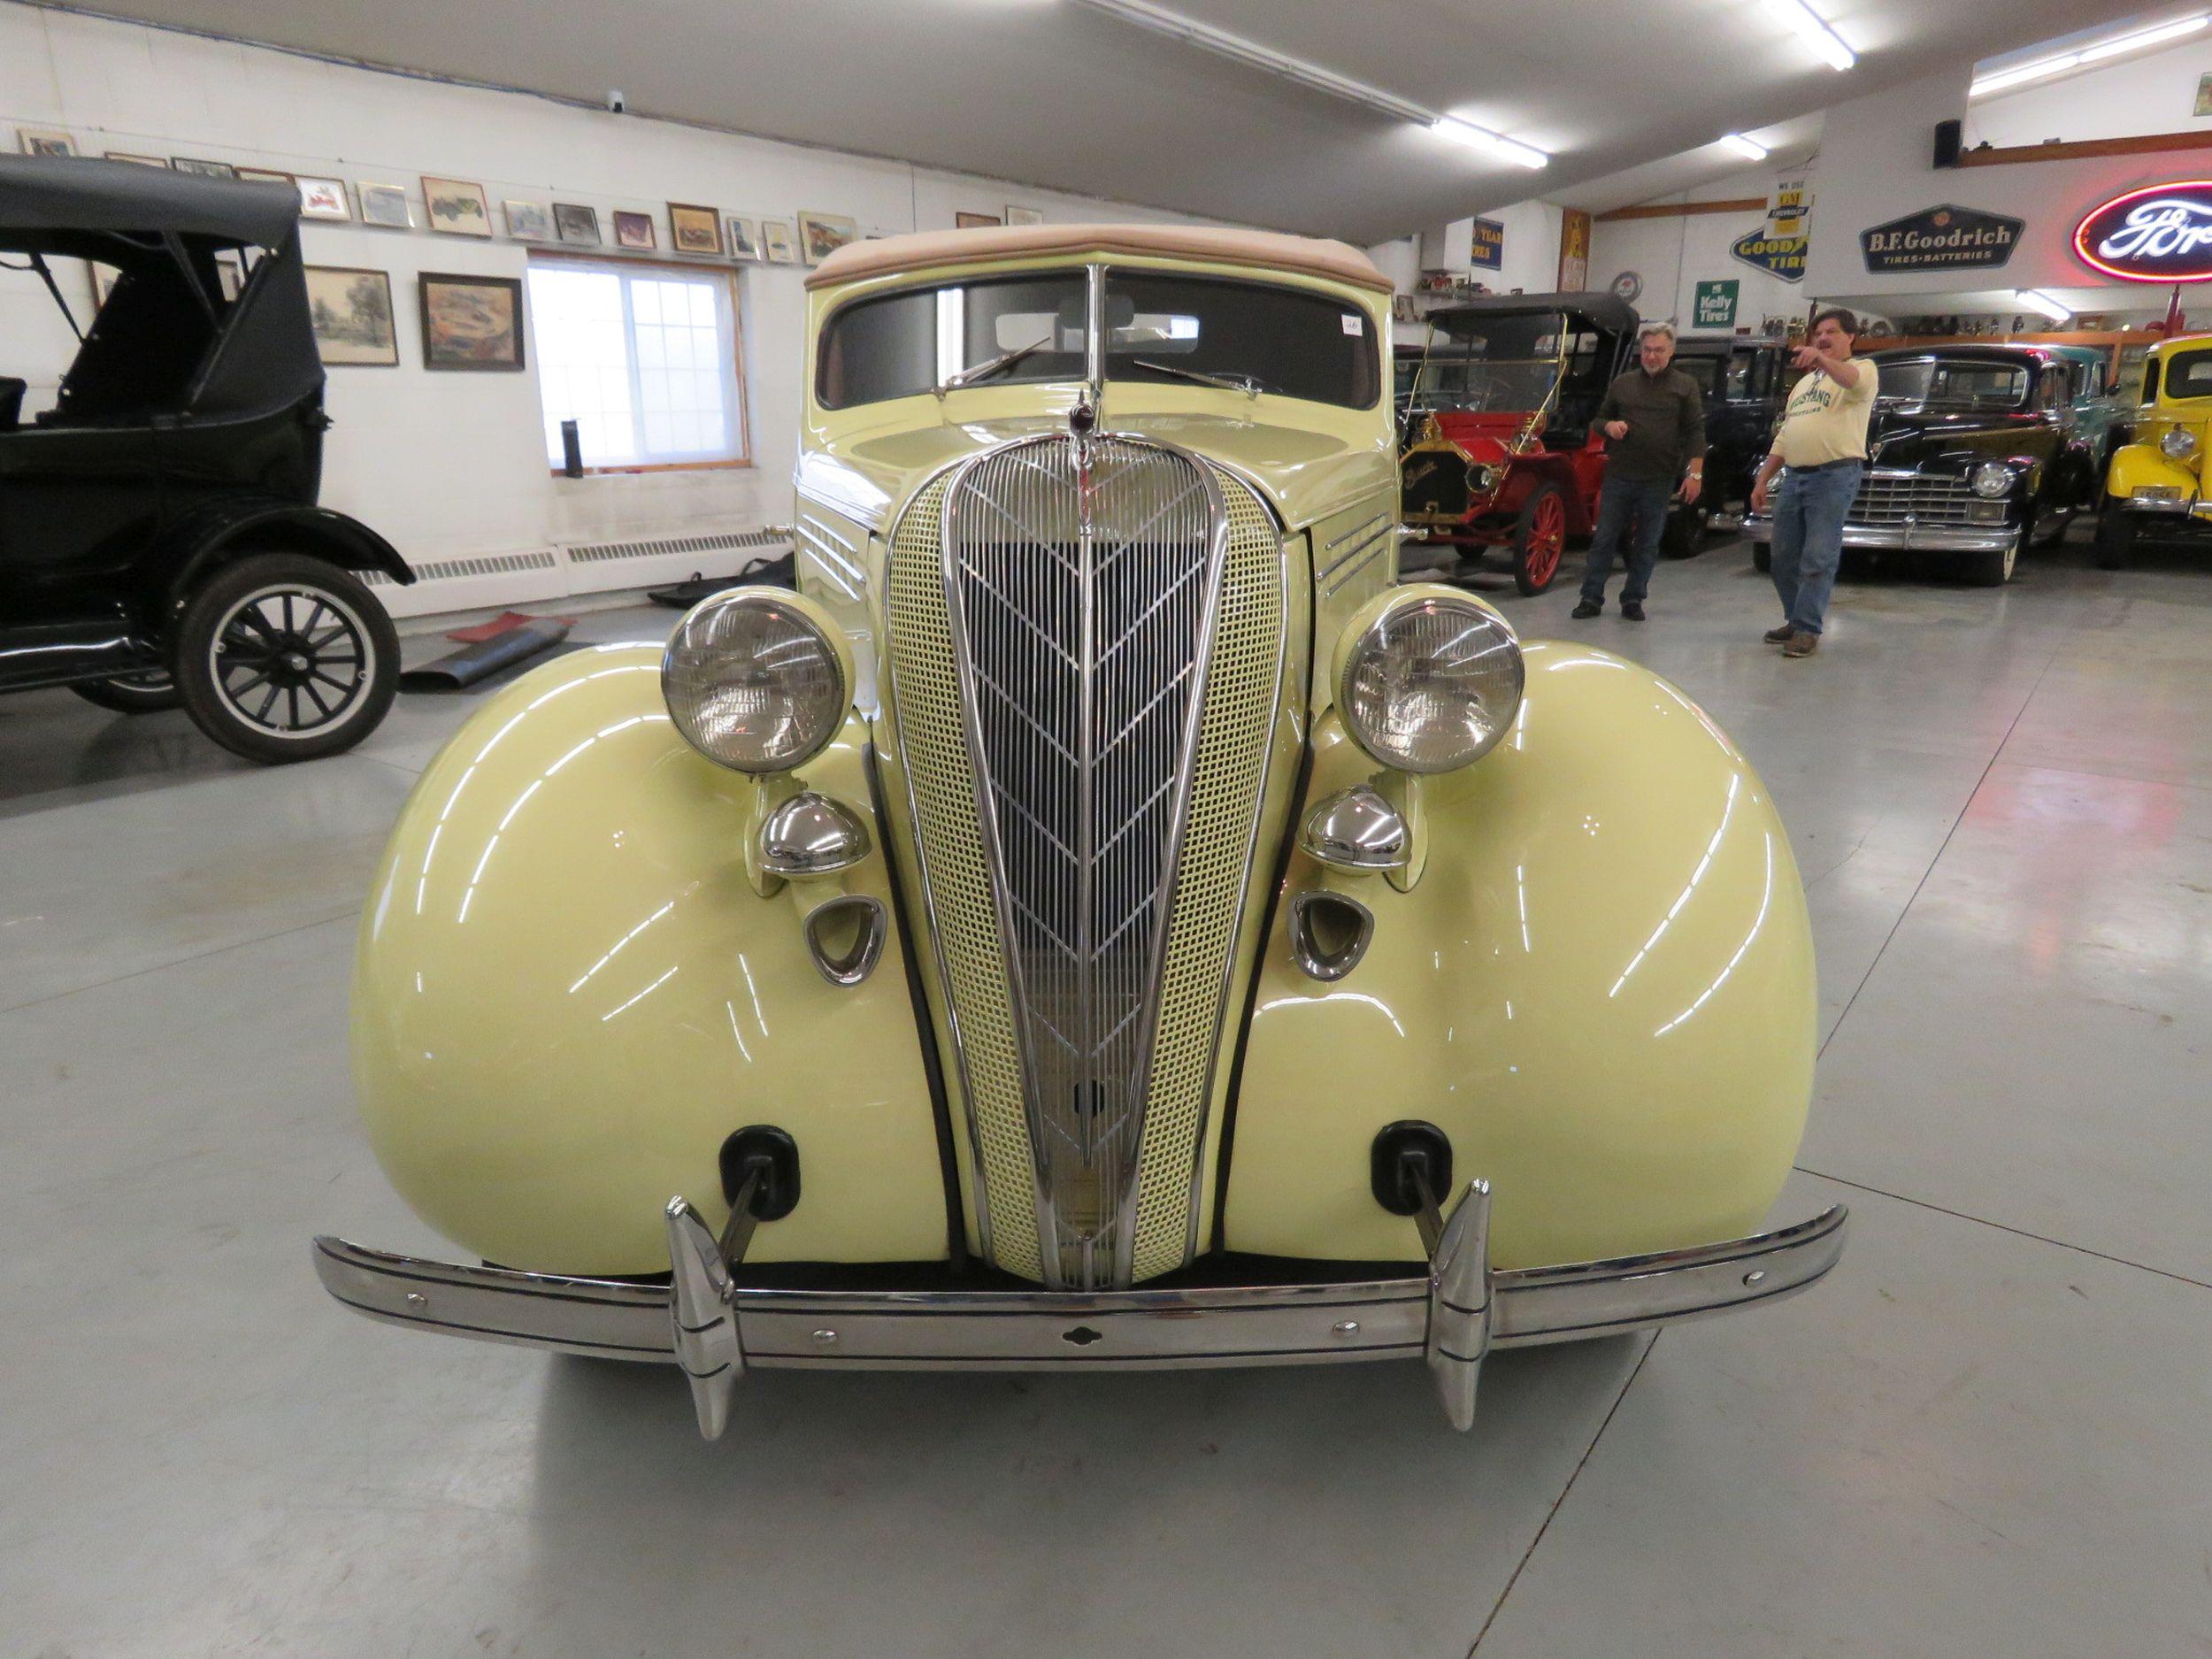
<point x="1053" y="94"/>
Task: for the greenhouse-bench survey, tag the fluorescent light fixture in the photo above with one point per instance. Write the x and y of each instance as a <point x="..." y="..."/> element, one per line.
<point x="2037" y="300"/>
<point x="2145" y="37"/>
<point x="1482" y="138"/>
<point x="1251" y="54"/>
<point x="2113" y="48"/>
<point x="1750" y="148"/>
<point x="1817" y="35"/>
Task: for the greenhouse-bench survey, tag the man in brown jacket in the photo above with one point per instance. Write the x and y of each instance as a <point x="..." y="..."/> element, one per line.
<point x="1653" y="420"/>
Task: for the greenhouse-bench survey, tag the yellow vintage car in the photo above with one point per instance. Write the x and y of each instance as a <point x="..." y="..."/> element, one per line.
<point x="1101" y="919"/>
<point x="2156" y="480"/>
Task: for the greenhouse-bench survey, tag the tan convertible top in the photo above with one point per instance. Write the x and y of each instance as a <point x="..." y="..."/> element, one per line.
<point x="1264" y="249"/>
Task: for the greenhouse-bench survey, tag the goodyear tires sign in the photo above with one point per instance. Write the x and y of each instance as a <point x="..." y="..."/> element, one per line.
<point x="1780" y="256"/>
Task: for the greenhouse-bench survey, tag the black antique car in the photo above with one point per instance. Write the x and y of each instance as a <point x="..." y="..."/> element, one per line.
<point x="1972" y="452"/>
<point x="160" y="538"/>
<point x="1743" y="380"/>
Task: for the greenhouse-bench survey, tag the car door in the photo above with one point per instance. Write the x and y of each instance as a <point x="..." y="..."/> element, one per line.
<point x="78" y="506"/>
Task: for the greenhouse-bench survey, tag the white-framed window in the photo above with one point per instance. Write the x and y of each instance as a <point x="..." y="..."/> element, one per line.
<point x="645" y="358"/>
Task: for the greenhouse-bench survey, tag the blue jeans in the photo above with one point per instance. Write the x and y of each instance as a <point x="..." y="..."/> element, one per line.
<point x="1620" y="500"/>
<point x="1809" y="509"/>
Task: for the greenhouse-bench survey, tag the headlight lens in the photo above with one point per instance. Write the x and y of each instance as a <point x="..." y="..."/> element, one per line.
<point x="753" y="681"/>
<point x="1991" y="480"/>
<point x="2177" y="443"/>
<point x="1432" y="684"/>
<point x="1479" y="477"/>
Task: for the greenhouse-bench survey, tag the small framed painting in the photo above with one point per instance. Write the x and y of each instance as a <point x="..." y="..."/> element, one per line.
<point x="456" y="207"/>
<point x="578" y="227"/>
<point x="384" y="204"/>
<point x="775" y="240"/>
<point x="39" y="142"/>
<point x="204" y="169"/>
<point x="822" y="234"/>
<point x="1024" y="216"/>
<point x="2204" y="96"/>
<point x="265" y="175"/>
<point x="137" y="161"/>
<point x="528" y="221"/>
<point x="470" y="322"/>
<point x="635" y="230"/>
<point x="742" y="237"/>
<point x="975" y="221"/>
<point x="230" y="275"/>
<point x="351" y="311"/>
<point x="323" y="198"/>
<point x="694" y="229"/>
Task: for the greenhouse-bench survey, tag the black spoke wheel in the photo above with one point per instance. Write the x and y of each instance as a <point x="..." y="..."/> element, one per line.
<point x="281" y="657"/>
<point x="148" y="693"/>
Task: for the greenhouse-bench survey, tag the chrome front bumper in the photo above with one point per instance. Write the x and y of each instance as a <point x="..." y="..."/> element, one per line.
<point x="1921" y="538"/>
<point x="715" y="1329"/>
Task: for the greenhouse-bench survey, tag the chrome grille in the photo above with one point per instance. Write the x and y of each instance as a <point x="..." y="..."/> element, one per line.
<point x="1112" y="612"/>
<point x="1893" y="495"/>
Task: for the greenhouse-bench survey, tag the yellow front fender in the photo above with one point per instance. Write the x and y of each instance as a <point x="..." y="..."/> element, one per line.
<point x="2138" y="465"/>
<point x="568" y="993"/>
<point x="1600" y="987"/>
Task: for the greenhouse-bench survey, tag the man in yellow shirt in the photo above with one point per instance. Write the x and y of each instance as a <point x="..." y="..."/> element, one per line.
<point x="1822" y="441"/>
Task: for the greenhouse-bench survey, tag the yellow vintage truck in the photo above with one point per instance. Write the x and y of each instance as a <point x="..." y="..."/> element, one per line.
<point x="2155" y="481"/>
<point x="1101" y="919"/>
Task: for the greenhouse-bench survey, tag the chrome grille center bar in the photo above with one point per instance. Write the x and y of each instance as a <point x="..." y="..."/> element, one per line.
<point x="1081" y="576"/>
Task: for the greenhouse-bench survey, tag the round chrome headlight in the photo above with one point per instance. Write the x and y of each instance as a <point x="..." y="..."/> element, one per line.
<point x="1428" y="679"/>
<point x="1479" y="477"/>
<point x="2177" y="443"/>
<point x="756" y="680"/>
<point x="1991" y="480"/>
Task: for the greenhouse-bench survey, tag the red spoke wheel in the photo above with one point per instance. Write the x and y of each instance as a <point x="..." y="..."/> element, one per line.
<point x="1539" y="536"/>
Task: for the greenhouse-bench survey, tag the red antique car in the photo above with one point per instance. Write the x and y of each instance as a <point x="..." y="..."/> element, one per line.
<point x="1501" y="448"/>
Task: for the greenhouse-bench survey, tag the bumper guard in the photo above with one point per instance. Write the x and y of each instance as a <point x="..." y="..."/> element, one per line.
<point x="1923" y="538"/>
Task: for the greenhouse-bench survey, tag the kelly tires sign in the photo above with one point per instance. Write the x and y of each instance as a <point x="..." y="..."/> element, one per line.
<point x="2160" y="234"/>
<point x="1945" y="238"/>
<point x="1713" y="305"/>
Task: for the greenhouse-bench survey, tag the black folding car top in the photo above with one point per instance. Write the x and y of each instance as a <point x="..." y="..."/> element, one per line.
<point x="159" y="537"/>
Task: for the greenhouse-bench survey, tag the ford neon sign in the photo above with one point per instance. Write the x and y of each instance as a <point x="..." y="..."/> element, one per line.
<point x="2160" y="234"/>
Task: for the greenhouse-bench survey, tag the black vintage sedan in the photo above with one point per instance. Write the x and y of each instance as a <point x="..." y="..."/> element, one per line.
<point x="1972" y="451"/>
<point x="1743" y="380"/>
<point x="160" y="541"/>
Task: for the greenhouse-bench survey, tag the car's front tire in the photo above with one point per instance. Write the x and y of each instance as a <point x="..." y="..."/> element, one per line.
<point x="1994" y="569"/>
<point x="2116" y="538"/>
<point x="1685" y="534"/>
<point x="153" y="691"/>
<point x="282" y="658"/>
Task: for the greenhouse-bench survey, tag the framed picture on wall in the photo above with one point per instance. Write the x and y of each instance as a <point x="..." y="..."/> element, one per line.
<point x="456" y="207"/>
<point x="2204" y="96"/>
<point x="976" y="221"/>
<point x="470" y="322"/>
<point x="323" y="198"/>
<point x="577" y="226"/>
<point x="528" y="221"/>
<point x="265" y="175"/>
<point x="822" y="234"/>
<point x="384" y="204"/>
<point x="1024" y="216"/>
<point x="744" y="237"/>
<point x="42" y="141"/>
<point x="692" y="229"/>
<point x="204" y="169"/>
<point x="351" y="311"/>
<point x="775" y="240"/>
<point x="635" y="230"/>
<point x="137" y="161"/>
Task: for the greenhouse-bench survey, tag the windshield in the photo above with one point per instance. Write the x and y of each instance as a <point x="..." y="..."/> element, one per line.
<point x="2189" y="375"/>
<point x="1161" y="328"/>
<point x="1479" y="364"/>
<point x="1926" y="381"/>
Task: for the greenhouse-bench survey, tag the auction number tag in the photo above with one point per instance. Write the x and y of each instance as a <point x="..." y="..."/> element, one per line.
<point x="1355" y="325"/>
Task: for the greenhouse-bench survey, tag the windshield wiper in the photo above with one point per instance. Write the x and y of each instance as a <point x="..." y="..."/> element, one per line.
<point x="989" y="367"/>
<point x="1249" y="387"/>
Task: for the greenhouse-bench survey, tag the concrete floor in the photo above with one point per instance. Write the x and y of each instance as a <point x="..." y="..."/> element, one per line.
<point x="1989" y="1432"/>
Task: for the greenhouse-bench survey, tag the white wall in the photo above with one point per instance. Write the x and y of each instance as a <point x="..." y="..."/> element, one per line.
<point x="2156" y="93"/>
<point x="1674" y="254"/>
<point x="451" y="465"/>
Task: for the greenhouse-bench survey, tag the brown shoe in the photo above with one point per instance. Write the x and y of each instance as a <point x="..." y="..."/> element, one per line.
<point x="1802" y="645"/>
<point x="1779" y="636"/>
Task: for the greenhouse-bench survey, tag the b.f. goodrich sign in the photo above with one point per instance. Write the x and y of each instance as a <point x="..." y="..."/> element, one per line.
<point x="1945" y="238"/>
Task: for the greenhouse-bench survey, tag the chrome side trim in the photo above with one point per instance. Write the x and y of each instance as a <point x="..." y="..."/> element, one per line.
<point x="1140" y="1329"/>
<point x="840" y="489"/>
<point x="1360" y="529"/>
<point x="1372" y="549"/>
<point x="1378" y="530"/>
<point x="843" y="569"/>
